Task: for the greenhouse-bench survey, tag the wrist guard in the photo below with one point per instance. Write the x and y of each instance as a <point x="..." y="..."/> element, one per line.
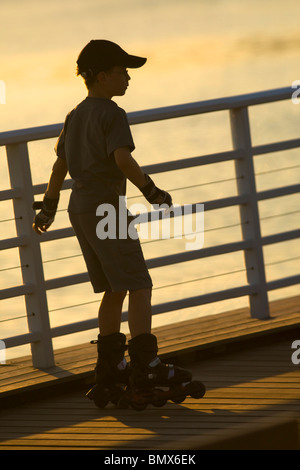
<point x="154" y="195"/>
<point x="48" y="210"/>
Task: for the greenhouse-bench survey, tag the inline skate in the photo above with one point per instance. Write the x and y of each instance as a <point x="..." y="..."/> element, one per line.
<point x="111" y="372"/>
<point x="153" y="382"/>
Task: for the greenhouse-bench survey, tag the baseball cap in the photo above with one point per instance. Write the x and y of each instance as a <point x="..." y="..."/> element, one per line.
<point x="100" y="54"/>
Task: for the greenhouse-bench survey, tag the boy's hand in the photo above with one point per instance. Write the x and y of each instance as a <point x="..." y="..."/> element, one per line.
<point x="45" y="217"/>
<point x="154" y="195"/>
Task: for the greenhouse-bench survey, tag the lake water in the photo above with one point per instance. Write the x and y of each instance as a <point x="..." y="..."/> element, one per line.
<point x="196" y="50"/>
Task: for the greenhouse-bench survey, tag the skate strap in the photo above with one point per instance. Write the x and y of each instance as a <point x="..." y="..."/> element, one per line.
<point x="154" y="362"/>
<point x="171" y="371"/>
<point x="122" y="365"/>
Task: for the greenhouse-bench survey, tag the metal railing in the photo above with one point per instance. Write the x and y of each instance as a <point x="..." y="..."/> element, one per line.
<point x="22" y="192"/>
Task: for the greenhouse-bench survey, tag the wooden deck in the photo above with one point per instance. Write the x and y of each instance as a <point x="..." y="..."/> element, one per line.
<point x="252" y="399"/>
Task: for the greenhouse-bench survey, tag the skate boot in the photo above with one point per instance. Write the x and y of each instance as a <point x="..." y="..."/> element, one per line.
<point x="111" y="372"/>
<point x="153" y="382"/>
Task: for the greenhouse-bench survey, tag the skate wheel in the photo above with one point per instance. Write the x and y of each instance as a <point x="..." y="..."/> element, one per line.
<point x="197" y="389"/>
<point x="99" y="396"/>
<point x="116" y="395"/>
<point x="101" y="402"/>
<point x="158" y="400"/>
<point x="138" y="406"/>
<point x="123" y="402"/>
<point x="178" y="397"/>
<point x="102" y="399"/>
<point x="139" y="399"/>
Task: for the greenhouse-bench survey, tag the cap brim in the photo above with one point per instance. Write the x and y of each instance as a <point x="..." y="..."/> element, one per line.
<point x="134" y="62"/>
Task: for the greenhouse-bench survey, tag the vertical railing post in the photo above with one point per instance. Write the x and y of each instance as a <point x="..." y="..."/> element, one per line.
<point x="30" y="256"/>
<point x="249" y="213"/>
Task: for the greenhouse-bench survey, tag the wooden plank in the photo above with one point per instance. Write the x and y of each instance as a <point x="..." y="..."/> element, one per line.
<point x="73" y="362"/>
<point x="280" y="433"/>
<point x="252" y="385"/>
<point x="72" y="422"/>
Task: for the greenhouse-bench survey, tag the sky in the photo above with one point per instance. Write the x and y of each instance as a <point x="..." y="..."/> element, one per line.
<point x="196" y="49"/>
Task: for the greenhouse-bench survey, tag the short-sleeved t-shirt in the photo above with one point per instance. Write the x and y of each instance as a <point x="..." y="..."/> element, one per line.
<point x="92" y="132"/>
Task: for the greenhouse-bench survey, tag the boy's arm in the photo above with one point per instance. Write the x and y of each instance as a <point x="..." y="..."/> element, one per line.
<point x="131" y="169"/>
<point x="48" y="206"/>
<point x="57" y="178"/>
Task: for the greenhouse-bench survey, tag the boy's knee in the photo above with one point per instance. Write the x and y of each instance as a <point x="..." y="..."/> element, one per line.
<point x="147" y="292"/>
<point x="118" y="296"/>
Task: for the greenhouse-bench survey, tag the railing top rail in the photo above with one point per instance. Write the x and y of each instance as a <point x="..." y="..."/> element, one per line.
<point x="158" y="114"/>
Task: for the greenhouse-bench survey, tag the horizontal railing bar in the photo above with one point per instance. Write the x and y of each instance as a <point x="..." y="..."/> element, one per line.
<point x="225" y="202"/>
<point x="197" y="254"/>
<point x="166" y="166"/>
<point x="30" y="134"/>
<point x="74" y="327"/>
<point x="148" y="216"/>
<point x="204" y="299"/>
<point x="193" y="161"/>
<point x="41" y="188"/>
<point x="16" y="291"/>
<point x="157" y="309"/>
<point x="160" y="308"/>
<point x="219" y="104"/>
<point x="8" y="194"/>
<point x="13" y="242"/>
<point x="208" y="205"/>
<point x="64" y="281"/>
<point x="186" y="163"/>
<point x="69" y="232"/>
<point x="278" y="192"/>
<point x="284" y="282"/>
<point x="280" y="237"/>
<point x="158" y="262"/>
<point x="20" y="340"/>
<point x="58" y="234"/>
<point x="158" y="114"/>
<point x="276" y="147"/>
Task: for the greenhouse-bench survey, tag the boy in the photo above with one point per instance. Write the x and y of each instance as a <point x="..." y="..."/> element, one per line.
<point x="95" y="146"/>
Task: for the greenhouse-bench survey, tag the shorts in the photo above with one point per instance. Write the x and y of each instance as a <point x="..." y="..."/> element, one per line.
<point x="112" y="264"/>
